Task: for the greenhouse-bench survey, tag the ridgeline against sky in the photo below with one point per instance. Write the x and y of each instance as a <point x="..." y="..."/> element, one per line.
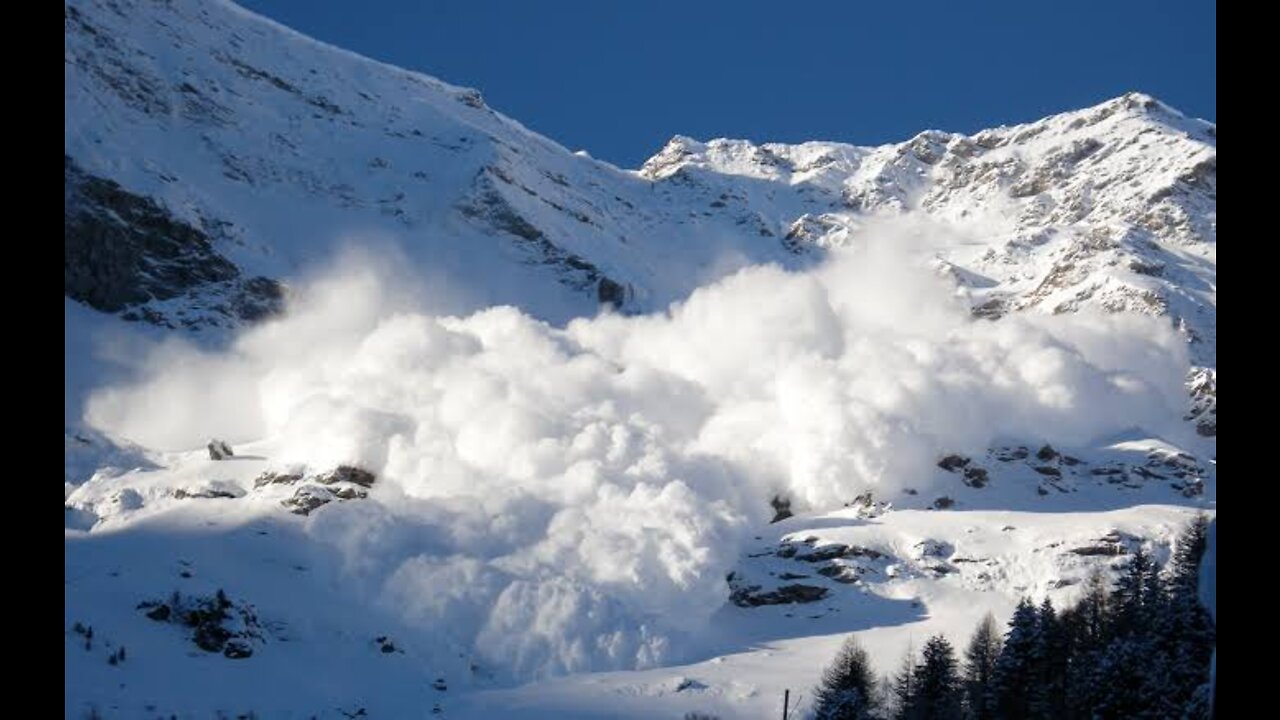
<point x="619" y="79"/>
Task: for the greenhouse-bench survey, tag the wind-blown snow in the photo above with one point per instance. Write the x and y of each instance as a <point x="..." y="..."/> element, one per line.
<point x="566" y="499"/>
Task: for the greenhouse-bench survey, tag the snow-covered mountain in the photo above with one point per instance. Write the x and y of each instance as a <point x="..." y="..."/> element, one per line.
<point x="266" y="147"/>
<point x="434" y="499"/>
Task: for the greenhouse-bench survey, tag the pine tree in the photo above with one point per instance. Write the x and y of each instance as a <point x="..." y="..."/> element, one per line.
<point x="938" y="691"/>
<point x="1131" y="676"/>
<point x="1014" y="667"/>
<point x="1185" y="630"/>
<point x="904" y="688"/>
<point x="1091" y="622"/>
<point x="1132" y="596"/>
<point x="1086" y="631"/>
<point x="1127" y="681"/>
<point x="846" y="691"/>
<point x="979" y="668"/>
<point x="1047" y="695"/>
<point x="1188" y="551"/>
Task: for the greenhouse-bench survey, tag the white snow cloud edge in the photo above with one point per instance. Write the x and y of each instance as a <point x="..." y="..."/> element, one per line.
<point x="569" y="499"/>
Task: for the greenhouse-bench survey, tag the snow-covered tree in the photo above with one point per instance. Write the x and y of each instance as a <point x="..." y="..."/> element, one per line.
<point x="847" y="689"/>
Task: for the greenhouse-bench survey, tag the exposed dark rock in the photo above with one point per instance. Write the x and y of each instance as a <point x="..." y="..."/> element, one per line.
<point x="1046" y="453"/>
<point x="209" y="493"/>
<point x="121" y="250"/>
<point x="1046" y="470"/>
<point x="785" y="595"/>
<point x="492" y="206"/>
<point x="487" y="204"/>
<point x="839" y="573"/>
<point x="217" y="624"/>
<point x="219" y="450"/>
<point x="1202" y="384"/>
<point x="930" y="548"/>
<point x="271" y="478"/>
<point x="781" y="508"/>
<point x="826" y="552"/>
<point x="208" y="636"/>
<point x="348" y="474"/>
<point x="471" y="98"/>
<point x="992" y="309"/>
<point x="160" y="613"/>
<point x="858" y="551"/>
<point x="943" y="503"/>
<point x="1190" y="489"/>
<point x="951" y="463"/>
<point x="1113" y="543"/>
<point x="1010" y="454"/>
<point x="349" y="493"/>
<point x="975" y="477"/>
<point x="609" y="292"/>
<point x="307" y="499"/>
<point x="345" y="482"/>
<point x="1100" y="549"/>
<point x="237" y="650"/>
<point x="258" y="298"/>
<point x="691" y="684"/>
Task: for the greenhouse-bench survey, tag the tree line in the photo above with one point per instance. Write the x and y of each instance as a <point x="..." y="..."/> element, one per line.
<point x="1138" y="649"/>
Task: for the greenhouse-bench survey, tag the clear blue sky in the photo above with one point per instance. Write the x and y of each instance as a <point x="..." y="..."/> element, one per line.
<point x="619" y="78"/>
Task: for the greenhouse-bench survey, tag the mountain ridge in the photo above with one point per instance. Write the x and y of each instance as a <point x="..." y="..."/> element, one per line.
<point x="593" y="230"/>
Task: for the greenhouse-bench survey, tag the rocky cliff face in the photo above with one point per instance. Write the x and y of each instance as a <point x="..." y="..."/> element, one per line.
<point x="124" y="253"/>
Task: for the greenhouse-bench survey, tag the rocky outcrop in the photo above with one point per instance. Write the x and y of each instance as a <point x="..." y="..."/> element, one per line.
<point x="122" y="251"/>
<point x="219" y="450"/>
<point x="1203" y="383"/>
<point x="1113" y="543"/>
<point x="345" y="482"/>
<point x="754" y="596"/>
<point x="217" y="624"/>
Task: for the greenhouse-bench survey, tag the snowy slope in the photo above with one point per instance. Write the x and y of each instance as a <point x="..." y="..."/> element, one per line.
<point x="963" y="361"/>
<point x="278" y="147"/>
<point x="1110" y="207"/>
<point x="534" y="501"/>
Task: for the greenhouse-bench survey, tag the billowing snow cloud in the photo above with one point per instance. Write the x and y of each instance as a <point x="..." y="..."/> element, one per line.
<point x="562" y="499"/>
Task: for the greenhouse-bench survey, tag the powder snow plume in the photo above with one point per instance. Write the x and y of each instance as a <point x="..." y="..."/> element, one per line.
<point x="569" y="499"/>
